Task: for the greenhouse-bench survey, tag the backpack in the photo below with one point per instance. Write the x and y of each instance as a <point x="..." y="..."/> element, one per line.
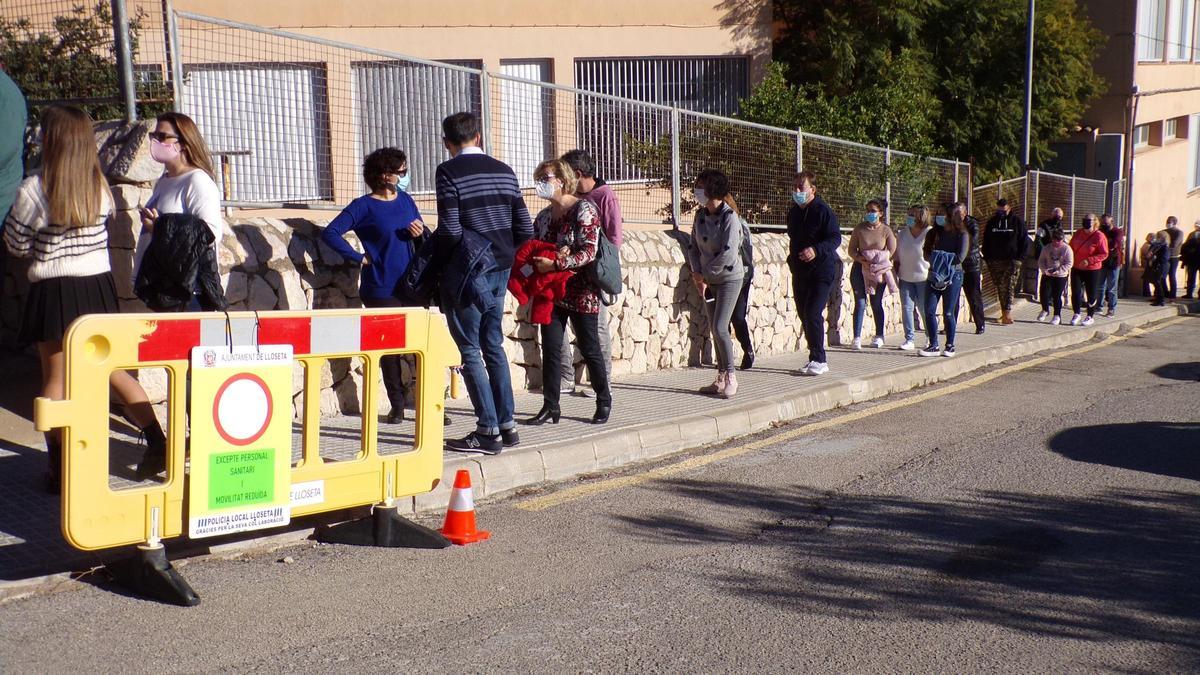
<point x="604" y="272"/>
<point x="941" y="269"/>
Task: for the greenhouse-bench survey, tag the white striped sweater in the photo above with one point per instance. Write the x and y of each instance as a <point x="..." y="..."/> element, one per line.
<point x="55" y="251"/>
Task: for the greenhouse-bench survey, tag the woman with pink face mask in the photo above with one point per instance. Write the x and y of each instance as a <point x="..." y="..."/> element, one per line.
<point x="187" y="185"/>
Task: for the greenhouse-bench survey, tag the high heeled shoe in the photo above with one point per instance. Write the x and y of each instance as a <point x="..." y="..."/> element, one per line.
<point x="602" y="412"/>
<point x="546" y="414"/>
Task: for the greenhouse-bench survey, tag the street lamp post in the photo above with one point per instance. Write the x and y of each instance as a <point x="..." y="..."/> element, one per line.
<point x="1028" y="84"/>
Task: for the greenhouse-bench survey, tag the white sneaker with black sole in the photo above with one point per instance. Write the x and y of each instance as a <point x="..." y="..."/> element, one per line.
<point x="877" y="343"/>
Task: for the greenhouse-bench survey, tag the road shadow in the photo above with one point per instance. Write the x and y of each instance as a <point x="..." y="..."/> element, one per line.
<point x="1163" y="448"/>
<point x="1115" y="565"/>
<point x="1186" y="372"/>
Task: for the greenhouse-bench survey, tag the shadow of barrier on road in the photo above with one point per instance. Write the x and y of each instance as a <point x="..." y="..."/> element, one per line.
<point x="1186" y="372"/>
<point x="1163" y="448"/>
<point x="230" y="465"/>
<point x="1120" y="564"/>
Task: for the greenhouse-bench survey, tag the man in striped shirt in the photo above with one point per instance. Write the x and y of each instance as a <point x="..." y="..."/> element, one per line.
<point x="479" y="194"/>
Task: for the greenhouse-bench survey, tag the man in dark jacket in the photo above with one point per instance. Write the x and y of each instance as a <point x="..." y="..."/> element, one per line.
<point x="1004" y="240"/>
<point x="1110" y="274"/>
<point x="1046" y="230"/>
<point x="1189" y="255"/>
<point x="813" y="241"/>
<point x="478" y="193"/>
<point x="972" y="268"/>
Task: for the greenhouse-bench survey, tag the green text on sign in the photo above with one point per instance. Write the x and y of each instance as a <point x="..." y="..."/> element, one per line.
<point x="241" y="478"/>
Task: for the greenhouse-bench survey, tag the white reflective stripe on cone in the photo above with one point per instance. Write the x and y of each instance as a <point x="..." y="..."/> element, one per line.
<point x="461" y="500"/>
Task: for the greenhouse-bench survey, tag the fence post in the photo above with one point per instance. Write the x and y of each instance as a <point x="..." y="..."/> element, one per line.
<point x="956" y="169"/>
<point x="799" y="149"/>
<point x="174" y="58"/>
<point x="1072" y="221"/>
<point x="485" y="108"/>
<point x="676" y="209"/>
<point x="887" y="185"/>
<point x="120" y="19"/>
<point x="1037" y="195"/>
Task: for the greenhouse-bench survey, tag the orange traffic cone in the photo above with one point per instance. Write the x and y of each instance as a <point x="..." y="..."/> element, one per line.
<point x="460" y="516"/>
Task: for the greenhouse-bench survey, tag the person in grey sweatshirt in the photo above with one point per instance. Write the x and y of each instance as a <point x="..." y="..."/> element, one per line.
<point x="717" y="270"/>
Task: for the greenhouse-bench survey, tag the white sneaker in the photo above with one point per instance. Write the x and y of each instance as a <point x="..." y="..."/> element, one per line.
<point x="877" y="343"/>
<point x="807" y="367"/>
<point x="908" y="346"/>
<point x="1087" y="321"/>
<point x="857" y="344"/>
<point x="1075" y="320"/>
<point x="1042" y="316"/>
<point x="818" y="368"/>
<point x="1055" y="321"/>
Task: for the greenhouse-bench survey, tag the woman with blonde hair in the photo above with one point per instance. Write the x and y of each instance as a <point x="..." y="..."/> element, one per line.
<point x="59" y="222"/>
<point x="572" y="226"/>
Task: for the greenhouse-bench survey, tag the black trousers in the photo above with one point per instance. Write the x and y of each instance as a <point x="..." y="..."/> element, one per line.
<point x="973" y="287"/>
<point x="1051" y="293"/>
<point x="587" y="335"/>
<point x="812" y="295"/>
<point x="1085" y="283"/>
<point x="389" y="365"/>
<point x="741" y="328"/>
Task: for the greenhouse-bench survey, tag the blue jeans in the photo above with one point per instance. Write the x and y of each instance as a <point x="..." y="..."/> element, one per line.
<point x="1110" y="281"/>
<point x="859" y="285"/>
<point x="948" y="296"/>
<point x="485" y="365"/>
<point x="912" y="300"/>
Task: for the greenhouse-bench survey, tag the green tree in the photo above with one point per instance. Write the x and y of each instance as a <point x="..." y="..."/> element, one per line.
<point x="926" y="76"/>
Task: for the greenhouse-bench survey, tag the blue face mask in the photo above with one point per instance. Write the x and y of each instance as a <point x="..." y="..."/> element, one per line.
<point x="403" y="183"/>
<point x="940" y="220"/>
<point x="910" y="221"/>
<point x="801" y="198"/>
<point x="871" y="217"/>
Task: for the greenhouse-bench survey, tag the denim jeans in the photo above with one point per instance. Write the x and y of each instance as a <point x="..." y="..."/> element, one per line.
<point x="859" y="285"/>
<point x="912" y="300"/>
<point x="948" y="296"/>
<point x="1172" y="270"/>
<point x="485" y="365"/>
<point x="1110" y="281"/>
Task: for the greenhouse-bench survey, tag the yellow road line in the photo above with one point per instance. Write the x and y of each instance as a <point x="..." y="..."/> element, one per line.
<point x="588" y="489"/>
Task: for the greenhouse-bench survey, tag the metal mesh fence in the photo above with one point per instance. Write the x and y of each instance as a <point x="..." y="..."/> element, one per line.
<point x="848" y="174"/>
<point x="64" y="51"/>
<point x="919" y="181"/>
<point x="1090" y="197"/>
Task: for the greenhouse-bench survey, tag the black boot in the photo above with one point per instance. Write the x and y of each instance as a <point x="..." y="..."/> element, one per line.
<point x="747" y="360"/>
<point x="53" y="479"/>
<point x="154" y="461"/>
<point x="396" y="416"/>
<point x="602" y="412"/>
<point x="546" y="414"/>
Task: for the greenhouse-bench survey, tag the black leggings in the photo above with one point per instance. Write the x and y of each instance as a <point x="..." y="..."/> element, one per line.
<point x="1085" y="282"/>
<point x="587" y="334"/>
<point x="973" y="288"/>
<point x="741" y="329"/>
<point x="1051" y="292"/>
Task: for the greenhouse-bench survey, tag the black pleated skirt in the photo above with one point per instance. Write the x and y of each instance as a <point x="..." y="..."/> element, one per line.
<point x="54" y="303"/>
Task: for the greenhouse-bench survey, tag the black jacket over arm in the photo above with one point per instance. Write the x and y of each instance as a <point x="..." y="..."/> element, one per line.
<point x="178" y="264"/>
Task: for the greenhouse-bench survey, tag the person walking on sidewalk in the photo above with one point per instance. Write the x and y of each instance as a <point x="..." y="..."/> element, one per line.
<point x="813" y="241"/>
<point x="946" y="250"/>
<point x="481" y="214"/>
<point x="1089" y="247"/>
<point x="714" y="256"/>
<point x="1189" y="255"/>
<point x="1175" y="244"/>
<point x="573" y="226"/>
<point x="1055" y="264"/>
<point x="1045" y="231"/>
<point x="914" y="269"/>
<point x="1004" y="241"/>
<point x="59" y="223"/>
<point x="872" y="245"/>
<point x="1144" y="261"/>
<point x="741" y="311"/>
<point x="388" y="223"/>
<point x="972" y="267"/>
<point x="1110" y="271"/>
<point x="1155" y="271"/>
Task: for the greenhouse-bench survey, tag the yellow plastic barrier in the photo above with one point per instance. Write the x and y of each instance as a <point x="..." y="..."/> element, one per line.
<point x="95" y="516"/>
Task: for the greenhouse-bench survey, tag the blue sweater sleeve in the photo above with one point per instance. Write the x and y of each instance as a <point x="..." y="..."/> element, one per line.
<point x="335" y="232"/>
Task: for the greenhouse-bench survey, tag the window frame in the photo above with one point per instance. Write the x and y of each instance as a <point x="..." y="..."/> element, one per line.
<point x="1157" y="41"/>
<point x="1187" y="45"/>
<point x="1138" y="143"/>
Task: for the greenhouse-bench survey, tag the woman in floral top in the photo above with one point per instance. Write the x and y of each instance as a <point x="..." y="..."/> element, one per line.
<point x="573" y="225"/>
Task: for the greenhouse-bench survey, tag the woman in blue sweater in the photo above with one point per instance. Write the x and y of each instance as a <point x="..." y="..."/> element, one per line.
<point x="389" y="226"/>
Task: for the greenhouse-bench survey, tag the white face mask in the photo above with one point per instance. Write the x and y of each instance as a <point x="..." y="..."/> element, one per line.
<point x="701" y="197"/>
<point x="545" y="189"/>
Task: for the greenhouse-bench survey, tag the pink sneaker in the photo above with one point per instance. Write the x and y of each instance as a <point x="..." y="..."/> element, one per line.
<point x="731" y="386"/>
<point x="717" y="387"/>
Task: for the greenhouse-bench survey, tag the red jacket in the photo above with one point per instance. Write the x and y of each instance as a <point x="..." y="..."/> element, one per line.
<point x="543" y="289"/>
<point x="1090" y="248"/>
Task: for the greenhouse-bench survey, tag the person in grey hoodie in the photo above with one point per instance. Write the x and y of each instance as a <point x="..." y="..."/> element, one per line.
<point x="717" y="270"/>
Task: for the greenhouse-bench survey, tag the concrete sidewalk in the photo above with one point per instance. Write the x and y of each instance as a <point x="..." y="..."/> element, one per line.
<point x="653" y="415"/>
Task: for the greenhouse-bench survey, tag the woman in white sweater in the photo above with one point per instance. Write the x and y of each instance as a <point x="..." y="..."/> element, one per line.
<point x="59" y="222"/>
<point x="914" y="270"/>
<point x="187" y="184"/>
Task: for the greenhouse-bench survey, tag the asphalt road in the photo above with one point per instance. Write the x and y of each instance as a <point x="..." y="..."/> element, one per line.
<point x="1047" y="520"/>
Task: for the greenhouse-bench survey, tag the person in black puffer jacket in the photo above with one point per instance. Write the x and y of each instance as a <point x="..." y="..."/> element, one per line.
<point x="179" y="270"/>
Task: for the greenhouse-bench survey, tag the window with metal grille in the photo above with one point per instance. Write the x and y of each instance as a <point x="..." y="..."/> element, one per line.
<point x="402" y="104"/>
<point x="714" y="85"/>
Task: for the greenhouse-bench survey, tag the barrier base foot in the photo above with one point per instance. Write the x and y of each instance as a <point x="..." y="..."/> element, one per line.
<point x="384" y="528"/>
<point x="149" y="573"/>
